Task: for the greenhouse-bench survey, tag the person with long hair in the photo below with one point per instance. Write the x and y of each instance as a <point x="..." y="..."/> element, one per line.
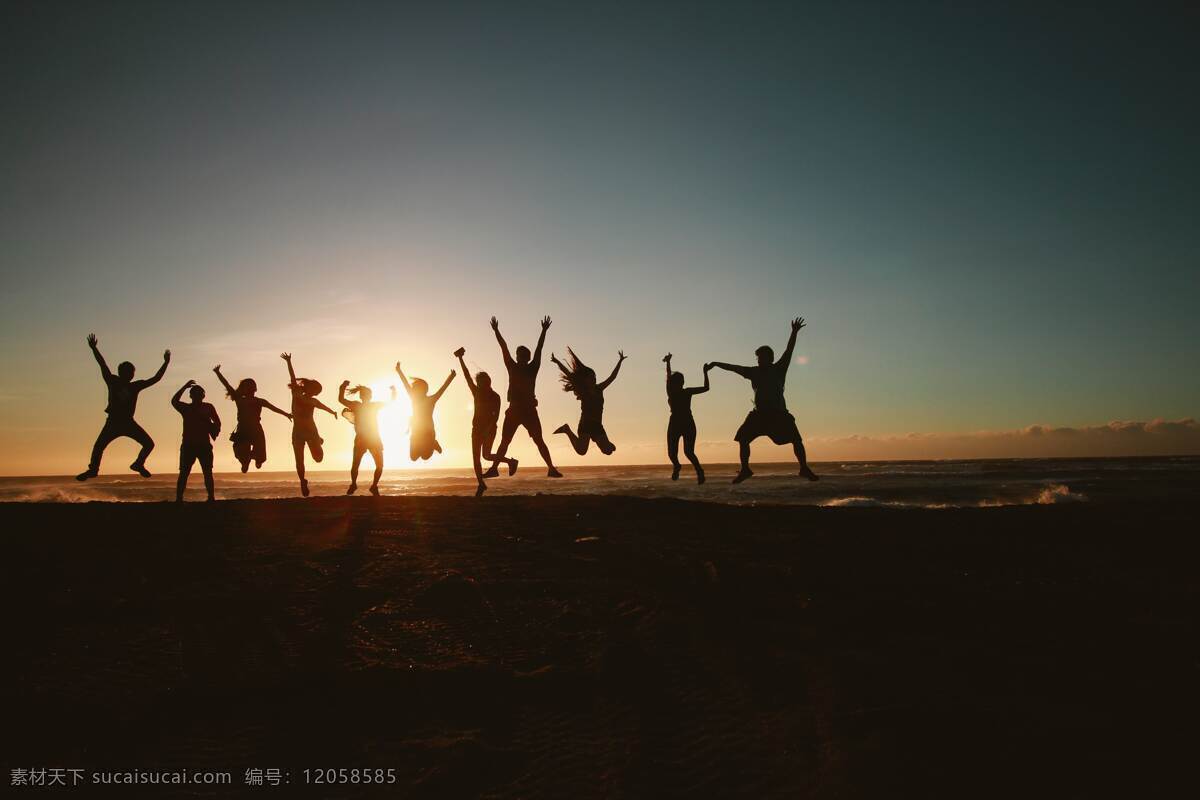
<point x="682" y="425"/>
<point x="304" y="427"/>
<point x="483" y="424"/>
<point x="123" y="393"/>
<point x="580" y="379"/>
<point x="422" y="439"/>
<point x="249" y="440"/>
<point x="364" y="414"/>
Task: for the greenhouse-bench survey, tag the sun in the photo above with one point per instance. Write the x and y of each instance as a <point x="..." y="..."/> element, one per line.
<point x="393" y="419"/>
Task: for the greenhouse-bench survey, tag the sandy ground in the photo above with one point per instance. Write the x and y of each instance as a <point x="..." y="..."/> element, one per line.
<point x="608" y="647"/>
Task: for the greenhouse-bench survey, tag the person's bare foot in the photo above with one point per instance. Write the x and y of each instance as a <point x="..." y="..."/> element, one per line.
<point x="553" y="473"/>
<point x="480" y="489"/>
<point x="494" y="472"/>
<point x="353" y="488"/>
<point x="808" y="473"/>
<point x="675" y="472"/>
<point x="86" y="474"/>
<point x="140" y="469"/>
<point x="374" y="490"/>
<point x="512" y="467"/>
<point x="562" y="428"/>
<point x="699" y="476"/>
<point x="304" y="487"/>
<point x="742" y="475"/>
<point x="245" y="466"/>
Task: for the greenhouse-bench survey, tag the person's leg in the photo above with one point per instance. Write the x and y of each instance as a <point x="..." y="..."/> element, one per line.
<point x="689" y="450"/>
<point x="533" y="424"/>
<point x="476" y="448"/>
<point x="802" y="457"/>
<point x="298" y="453"/>
<point x="259" y="449"/>
<point x="139" y="435"/>
<point x="579" y="443"/>
<point x="744" y="457"/>
<point x="186" y="458"/>
<point x="206" y="466"/>
<point x="103" y="439"/>
<point x="511" y="423"/>
<point x="486" y="441"/>
<point x="673" y="436"/>
<point x="355" y="460"/>
<point x="241" y="450"/>
<point x="377" y="456"/>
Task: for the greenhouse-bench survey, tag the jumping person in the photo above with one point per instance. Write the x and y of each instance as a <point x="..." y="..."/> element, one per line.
<point x="522" y="402"/>
<point x="365" y="416"/>
<point x="304" y="427"/>
<point x="201" y="426"/>
<point x="769" y="416"/>
<point x="483" y="423"/>
<point x="123" y="393"/>
<point x="249" y="441"/>
<point x="682" y="424"/>
<point x="581" y="379"/>
<point x="422" y="439"/>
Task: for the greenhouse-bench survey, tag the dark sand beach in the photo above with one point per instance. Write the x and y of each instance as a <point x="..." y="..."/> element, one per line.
<point x="607" y="646"/>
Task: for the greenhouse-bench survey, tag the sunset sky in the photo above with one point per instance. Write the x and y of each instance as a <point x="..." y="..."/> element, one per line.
<point x="989" y="219"/>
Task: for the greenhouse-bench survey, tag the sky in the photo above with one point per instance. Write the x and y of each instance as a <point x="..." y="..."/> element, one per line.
<point x="987" y="217"/>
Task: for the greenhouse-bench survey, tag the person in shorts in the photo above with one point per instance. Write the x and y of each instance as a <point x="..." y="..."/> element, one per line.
<point x="522" y="402"/>
<point x="769" y="416"/>
<point x="483" y="424"/>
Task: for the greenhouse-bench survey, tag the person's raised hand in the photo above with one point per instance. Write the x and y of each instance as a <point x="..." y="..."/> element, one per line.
<point x="797" y="324"/>
<point x="545" y="322"/>
<point x="397" y="366"/>
<point x="286" y="356"/>
<point x="189" y="383"/>
<point x="92" y="341"/>
<point x="667" y="358"/>
<point x="460" y="352"/>
<point x="708" y="366"/>
<point x="217" y="368"/>
<point x="345" y="384"/>
<point x="453" y="373"/>
<point x="167" y="356"/>
<point x="621" y="355"/>
<point x="495" y="324"/>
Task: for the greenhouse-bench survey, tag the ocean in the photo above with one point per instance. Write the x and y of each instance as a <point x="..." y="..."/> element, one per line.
<point x="899" y="484"/>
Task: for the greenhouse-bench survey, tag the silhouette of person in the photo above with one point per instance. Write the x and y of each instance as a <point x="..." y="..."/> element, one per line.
<point x="581" y="379"/>
<point x="201" y="426"/>
<point x="422" y="439"/>
<point x="682" y="425"/>
<point x="365" y="416"/>
<point x="522" y="402"/>
<point x="249" y="440"/>
<point x="123" y="393"/>
<point x="304" y="427"/>
<point x="483" y="424"/>
<point x="769" y="416"/>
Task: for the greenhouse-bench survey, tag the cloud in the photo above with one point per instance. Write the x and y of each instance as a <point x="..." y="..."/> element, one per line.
<point x="1119" y="438"/>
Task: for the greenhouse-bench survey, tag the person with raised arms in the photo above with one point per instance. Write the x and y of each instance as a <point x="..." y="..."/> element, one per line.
<point x="364" y="414"/>
<point x="123" y="393"/>
<point x="249" y="439"/>
<point x="483" y="424"/>
<point x="304" y="427"/>
<point x="682" y="425"/>
<point x="770" y="416"/>
<point x="522" y="400"/>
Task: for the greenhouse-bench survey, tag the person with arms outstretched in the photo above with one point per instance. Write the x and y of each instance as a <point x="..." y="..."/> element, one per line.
<point x="682" y="425"/>
<point x="304" y="427"/>
<point x="580" y="379"/>
<point x="123" y="393"/>
<point x="422" y="439"/>
<point x="365" y="415"/>
<point x="483" y="424"/>
<point x="249" y="440"/>
<point x="522" y="400"/>
<point x="769" y="416"/>
<point x="201" y="426"/>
